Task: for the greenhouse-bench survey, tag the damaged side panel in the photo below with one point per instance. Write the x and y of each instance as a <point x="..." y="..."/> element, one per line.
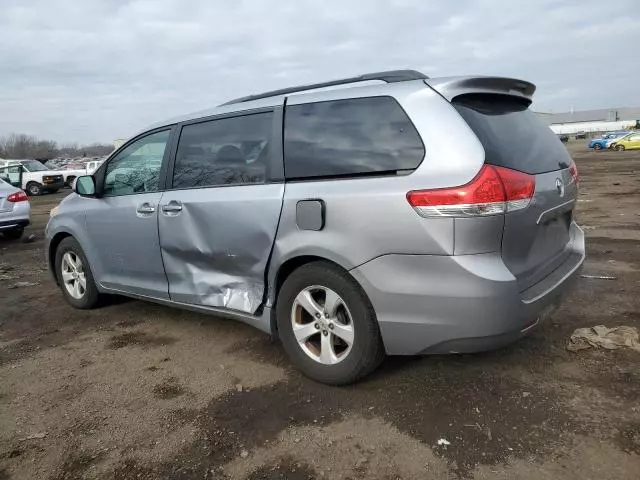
<point x="216" y="248"/>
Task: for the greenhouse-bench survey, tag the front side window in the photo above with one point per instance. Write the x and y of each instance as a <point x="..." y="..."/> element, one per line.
<point x="352" y="137"/>
<point x="136" y="169"/>
<point x="227" y="151"/>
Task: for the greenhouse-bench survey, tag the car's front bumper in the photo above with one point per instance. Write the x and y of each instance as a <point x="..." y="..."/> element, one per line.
<point x="53" y="185"/>
<point x="464" y="303"/>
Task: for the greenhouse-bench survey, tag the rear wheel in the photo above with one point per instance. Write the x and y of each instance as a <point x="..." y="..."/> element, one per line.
<point x="327" y="325"/>
<point x="34" y="189"/>
<point x="14" y="233"/>
<point x="74" y="275"/>
<point x="620" y="148"/>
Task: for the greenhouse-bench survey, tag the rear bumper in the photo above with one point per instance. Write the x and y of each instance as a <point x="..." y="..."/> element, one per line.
<point x="18" y="217"/>
<point x="11" y="224"/>
<point x="464" y="303"/>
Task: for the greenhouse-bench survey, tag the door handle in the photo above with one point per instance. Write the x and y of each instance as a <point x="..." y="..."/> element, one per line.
<point x="172" y="208"/>
<point x="145" y="208"/>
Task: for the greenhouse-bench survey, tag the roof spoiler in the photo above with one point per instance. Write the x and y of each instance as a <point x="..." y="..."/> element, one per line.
<point x="451" y="87"/>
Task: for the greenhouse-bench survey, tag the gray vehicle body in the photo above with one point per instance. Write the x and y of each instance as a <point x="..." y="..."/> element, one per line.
<point x="437" y="285"/>
<point x="12" y="214"/>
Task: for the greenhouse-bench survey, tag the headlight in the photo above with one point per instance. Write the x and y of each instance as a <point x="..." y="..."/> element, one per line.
<point x="54" y="211"/>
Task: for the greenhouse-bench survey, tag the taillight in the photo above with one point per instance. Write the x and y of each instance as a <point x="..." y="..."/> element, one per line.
<point x="495" y="190"/>
<point x="17" y="197"/>
<point x="573" y="170"/>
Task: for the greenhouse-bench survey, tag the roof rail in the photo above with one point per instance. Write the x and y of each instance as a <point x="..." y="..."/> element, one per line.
<point x="390" y="76"/>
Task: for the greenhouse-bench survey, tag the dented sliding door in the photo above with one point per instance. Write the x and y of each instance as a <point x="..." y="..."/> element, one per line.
<point x="219" y="215"/>
<point x="215" y="243"/>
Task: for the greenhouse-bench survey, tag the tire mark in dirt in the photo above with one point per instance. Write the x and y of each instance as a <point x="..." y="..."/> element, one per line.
<point x="141" y="339"/>
<point x="285" y="468"/>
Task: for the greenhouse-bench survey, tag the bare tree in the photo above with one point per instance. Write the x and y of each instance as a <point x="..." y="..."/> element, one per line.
<point x="19" y="145"/>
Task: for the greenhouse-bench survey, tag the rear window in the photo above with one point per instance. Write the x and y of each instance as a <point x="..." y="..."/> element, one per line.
<point x="348" y="138"/>
<point x="511" y="134"/>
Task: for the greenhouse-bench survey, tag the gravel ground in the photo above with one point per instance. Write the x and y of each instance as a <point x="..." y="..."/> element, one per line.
<point x="139" y="391"/>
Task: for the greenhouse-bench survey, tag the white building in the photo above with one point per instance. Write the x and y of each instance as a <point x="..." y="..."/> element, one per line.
<point x="606" y="120"/>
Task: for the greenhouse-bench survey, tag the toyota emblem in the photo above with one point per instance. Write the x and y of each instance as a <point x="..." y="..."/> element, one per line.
<point x="560" y="187"/>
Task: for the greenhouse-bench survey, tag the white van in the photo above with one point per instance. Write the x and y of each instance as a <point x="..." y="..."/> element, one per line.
<point x="32" y="176"/>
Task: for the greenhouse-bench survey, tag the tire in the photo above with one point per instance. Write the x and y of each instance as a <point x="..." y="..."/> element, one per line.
<point x="597" y="146"/>
<point x="34" y="189"/>
<point x="354" y="312"/>
<point x="13" y="234"/>
<point x="620" y="148"/>
<point x="69" y="181"/>
<point x="88" y="296"/>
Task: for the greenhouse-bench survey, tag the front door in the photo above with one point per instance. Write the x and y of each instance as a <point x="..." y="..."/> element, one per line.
<point x="122" y="224"/>
<point x="219" y="215"/>
<point x="634" y="141"/>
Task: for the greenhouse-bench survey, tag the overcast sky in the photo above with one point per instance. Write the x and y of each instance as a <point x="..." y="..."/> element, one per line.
<point x="96" y="70"/>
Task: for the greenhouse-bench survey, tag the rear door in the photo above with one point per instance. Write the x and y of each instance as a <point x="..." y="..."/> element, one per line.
<point x="219" y="215"/>
<point x="12" y="174"/>
<point x="534" y="239"/>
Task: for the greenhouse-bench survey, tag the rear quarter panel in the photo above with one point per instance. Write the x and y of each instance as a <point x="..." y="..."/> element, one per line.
<point x="369" y="217"/>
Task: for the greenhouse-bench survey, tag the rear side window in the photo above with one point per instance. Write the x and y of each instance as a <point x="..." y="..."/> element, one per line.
<point x="351" y="137"/>
<point x="228" y="151"/>
<point x="511" y="134"/>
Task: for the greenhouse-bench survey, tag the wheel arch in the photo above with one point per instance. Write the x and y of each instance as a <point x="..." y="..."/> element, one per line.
<point x="51" y="252"/>
<point x="285" y="270"/>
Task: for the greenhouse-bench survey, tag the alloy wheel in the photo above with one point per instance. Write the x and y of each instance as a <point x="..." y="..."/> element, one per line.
<point x="73" y="275"/>
<point x="322" y="325"/>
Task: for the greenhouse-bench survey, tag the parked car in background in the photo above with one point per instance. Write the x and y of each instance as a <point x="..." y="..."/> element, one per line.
<point x="628" y="142"/>
<point x="32" y="176"/>
<point x="581" y="135"/>
<point x="342" y="221"/>
<point x="74" y="170"/>
<point x="605" y="140"/>
<point x="15" y="210"/>
<point x="563" y="137"/>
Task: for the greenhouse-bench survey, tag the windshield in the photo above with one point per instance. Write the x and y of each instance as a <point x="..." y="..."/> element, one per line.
<point x="33" y="166"/>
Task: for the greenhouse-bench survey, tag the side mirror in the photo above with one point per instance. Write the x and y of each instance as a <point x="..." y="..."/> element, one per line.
<point x="85" y="186"/>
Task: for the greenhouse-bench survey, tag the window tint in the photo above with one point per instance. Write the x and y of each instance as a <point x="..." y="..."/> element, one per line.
<point x="511" y="134"/>
<point x="229" y="151"/>
<point x="136" y="169"/>
<point x="349" y="137"/>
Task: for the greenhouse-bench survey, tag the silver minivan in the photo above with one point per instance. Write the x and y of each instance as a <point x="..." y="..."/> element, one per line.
<point x="386" y="213"/>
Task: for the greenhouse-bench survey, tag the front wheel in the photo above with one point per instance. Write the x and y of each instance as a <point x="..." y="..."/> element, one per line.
<point x="34" y="189"/>
<point x="327" y="325"/>
<point x="74" y="275"/>
<point x="620" y="148"/>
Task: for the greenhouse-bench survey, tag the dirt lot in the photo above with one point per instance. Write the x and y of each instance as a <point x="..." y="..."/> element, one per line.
<point x="139" y="391"/>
